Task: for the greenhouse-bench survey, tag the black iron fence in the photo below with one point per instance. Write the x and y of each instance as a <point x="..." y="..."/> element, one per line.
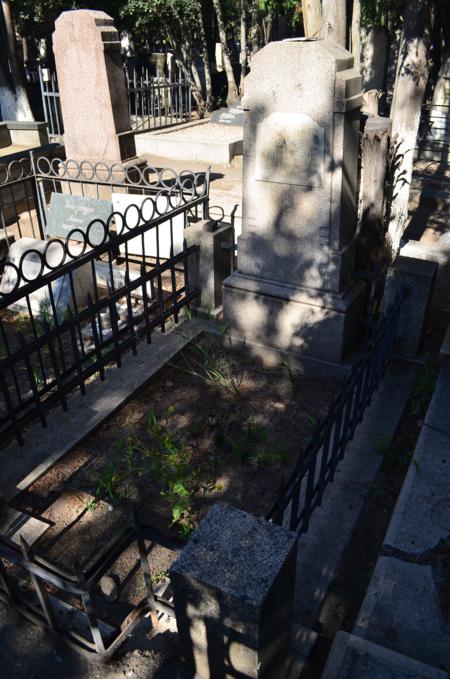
<point x="71" y="603"/>
<point x="18" y="200"/>
<point x="71" y="305"/>
<point x="51" y="102"/>
<point x="316" y="466"/>
<point x="153" y="101"/>
<point x="158" y="101"/>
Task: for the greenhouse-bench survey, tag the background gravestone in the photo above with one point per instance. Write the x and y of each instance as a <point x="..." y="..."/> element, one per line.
<point x="294" y="287"/>
<point x="92" y="87"/>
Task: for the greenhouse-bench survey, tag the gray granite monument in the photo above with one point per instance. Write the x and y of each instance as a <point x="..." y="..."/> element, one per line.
<point x="294" y="288"/>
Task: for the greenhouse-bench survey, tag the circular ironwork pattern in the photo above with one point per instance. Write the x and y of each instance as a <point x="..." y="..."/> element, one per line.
<point x="15" y="171"/>
<point x="170" y="192"/>
<point x="190" y="183"/>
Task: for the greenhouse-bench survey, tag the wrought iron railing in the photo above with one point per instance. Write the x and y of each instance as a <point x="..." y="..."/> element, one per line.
<point x="158" y="101"/>
<point x="153" y="101"/>
<point x="68" y="309"/>
<point x="51" y="102"/>
<point x="302" y="493"/>
<point x="40" y="590"/>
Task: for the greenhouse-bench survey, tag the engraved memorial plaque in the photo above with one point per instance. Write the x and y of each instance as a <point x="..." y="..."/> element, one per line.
<point x="290" y="150"/>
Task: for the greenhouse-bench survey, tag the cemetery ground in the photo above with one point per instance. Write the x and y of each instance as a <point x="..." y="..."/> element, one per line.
<point x="215" y="425"/>
<point x="231" y="425"/>
<point x="176" y="407"/>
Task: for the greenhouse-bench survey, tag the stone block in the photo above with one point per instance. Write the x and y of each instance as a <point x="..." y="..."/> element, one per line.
<point x="306" y="322"/>
<point x="211" y="264"/>
<point x="5" y="137"/>
<point x="233" y="587"/>
<point x="27" y="255"/>
<point x="415" y="278"/>
<point x="278" y="260"/>
<point x="28" y="133"/>
<point x="354" y="658"/>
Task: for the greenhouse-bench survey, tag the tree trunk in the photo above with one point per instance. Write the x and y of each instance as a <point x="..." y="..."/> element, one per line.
<point x="410" y="84"/>
<point x="255" y="30"/>
<point x="205" y="56"/>
<point x="267" y="28"/>
<point x="334" y="20"/>
<point x="243" y="55"/>
<point x="232" y="89"/>
<point x="371" y="250"/>
<point x="13" y="95"/>
<point x="373" y="57"/>
<point x="356" y="33"/>
<point x="312" y="17"/>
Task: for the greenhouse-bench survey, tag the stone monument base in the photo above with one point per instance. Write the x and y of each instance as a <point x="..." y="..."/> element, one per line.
<point x="313" y="323"/>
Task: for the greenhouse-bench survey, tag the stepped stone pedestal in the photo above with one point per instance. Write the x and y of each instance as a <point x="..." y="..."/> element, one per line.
<point x="294" y="288"/>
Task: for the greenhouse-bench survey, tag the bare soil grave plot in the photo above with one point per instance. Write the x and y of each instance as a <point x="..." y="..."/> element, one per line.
<point x="215" y="425"/>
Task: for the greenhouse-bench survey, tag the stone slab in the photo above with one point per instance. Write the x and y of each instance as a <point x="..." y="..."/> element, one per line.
<point x="406" y="605"/>
<point x="194" y="144"/>
<point x="355" y="658"/>
<point x="321" y="548"/>
<point x="157" y="240"/>
<point x="73" y="215"/>
<point x="14" y="524"/>
<point x="233" y="116"/>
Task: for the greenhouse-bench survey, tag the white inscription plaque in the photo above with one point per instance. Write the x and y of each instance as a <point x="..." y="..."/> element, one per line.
<point x="290" y="150"/>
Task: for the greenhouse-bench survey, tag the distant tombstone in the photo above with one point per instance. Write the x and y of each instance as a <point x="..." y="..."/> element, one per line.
<point x="73" y="214"/>
<point x="294" y="287"/>
<point x="229" y="116"/>
<point x="40" y="301"/>
<point x="161" y="235"/>
<point x="158" y="60"/>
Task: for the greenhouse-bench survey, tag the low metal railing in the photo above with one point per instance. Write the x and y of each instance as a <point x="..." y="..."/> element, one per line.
<point x="115" y="289"/>
<point x="49" y="589"/>
<point x="302" y="493"/>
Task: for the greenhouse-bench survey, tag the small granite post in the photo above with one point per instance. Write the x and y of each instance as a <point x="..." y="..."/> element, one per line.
<point x="211" y="263"/>
<point x="92" y="87"/>
<point x="294" y="288"/>
<point x="415" y="278"/>
<point x="233" y="588"/>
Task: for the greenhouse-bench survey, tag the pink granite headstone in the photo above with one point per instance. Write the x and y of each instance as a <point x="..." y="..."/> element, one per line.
<point x="92" y="87"/>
